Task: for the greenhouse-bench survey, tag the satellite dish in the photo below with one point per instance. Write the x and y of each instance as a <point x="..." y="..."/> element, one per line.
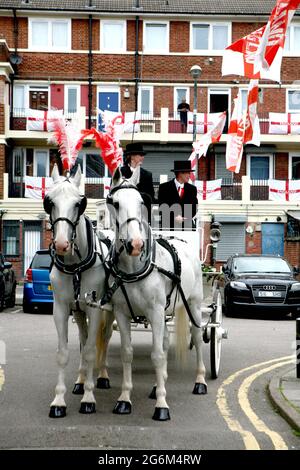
<point x="15" y="59"/>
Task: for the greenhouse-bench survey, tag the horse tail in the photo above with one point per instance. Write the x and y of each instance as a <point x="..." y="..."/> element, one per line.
<point x="182" y="334"/>
<point x="101" y="339"/>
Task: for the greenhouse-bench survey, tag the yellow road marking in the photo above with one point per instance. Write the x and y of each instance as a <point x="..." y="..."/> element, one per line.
<point x="2" y="378"/>
<point x="277" y="440"/>
<point x="233" y="424"/>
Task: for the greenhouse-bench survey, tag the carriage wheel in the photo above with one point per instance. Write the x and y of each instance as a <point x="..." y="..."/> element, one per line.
<point x="216" y="336"/>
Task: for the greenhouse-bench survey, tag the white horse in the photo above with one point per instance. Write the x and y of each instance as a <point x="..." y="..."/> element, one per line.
<point x="77" y="256"/>
<point x="140" y="285"/>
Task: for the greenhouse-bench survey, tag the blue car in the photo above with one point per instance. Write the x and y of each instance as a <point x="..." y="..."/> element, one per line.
<point x="37" y="294"/>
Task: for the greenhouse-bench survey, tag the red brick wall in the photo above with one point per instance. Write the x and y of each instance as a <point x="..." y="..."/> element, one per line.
<point x="7" y="31"/>
<point x="253" y="241"/>
<point x="292" y="252"/>
<point x="131" y="35"/>
<point x="2" y="113"/>
<point x="281" y="166"/>
<point x="179" y="36"/>
<point x="2" y="168"/>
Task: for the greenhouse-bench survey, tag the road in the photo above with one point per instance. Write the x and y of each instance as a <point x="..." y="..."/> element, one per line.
<point x="235" y="414"/>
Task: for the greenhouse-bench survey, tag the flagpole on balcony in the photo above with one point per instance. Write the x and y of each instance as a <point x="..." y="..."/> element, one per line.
<point x="195" y="72"/>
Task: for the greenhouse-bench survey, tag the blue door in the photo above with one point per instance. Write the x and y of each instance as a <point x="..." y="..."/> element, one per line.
<point x="107" y="100"/>
<point x="272" y="239"/>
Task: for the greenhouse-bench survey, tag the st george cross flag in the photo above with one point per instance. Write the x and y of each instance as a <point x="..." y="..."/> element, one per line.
<point x="259" y="54"/>
<point x="205" y="122"/>
<point x="208" y="190"/>
<point x="125" y="122"/>
<point x="37" y="187"/>
<point x="288" y="190"/>
<point x="42" y="120"/>
<point x="106" y="185"/>
<point x="284" y="123"/>
<point x="252" y="128"/>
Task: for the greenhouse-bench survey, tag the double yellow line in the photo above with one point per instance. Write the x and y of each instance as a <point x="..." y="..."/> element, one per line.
<point x="234" y="425"/>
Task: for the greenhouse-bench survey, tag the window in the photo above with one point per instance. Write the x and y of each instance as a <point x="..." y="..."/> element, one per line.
<point x="92" y="167"/>
<point x="243" y="100"/>
<point x="292" y="39"/>
<point x="221" y="170"/>
<point x="294" y="167"/>
<point x="41" y="163"/>
<point x="113" y="36"/>
<point x="145" y="102"/>
<point x="19" y="99"/>
<point x="47" y="34"/>
<point x="18" y="164"/>
<point x="72" y="98"/>
<point x="179" y="94"/>
<point x="156" y="37"/>
<point x="293" y="101"/>
<point x="209" y="36"/>
<point x="260" y="167"/>
<point x="11" y="237"/>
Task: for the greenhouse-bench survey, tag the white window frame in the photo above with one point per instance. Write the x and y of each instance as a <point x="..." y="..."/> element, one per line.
<point x="159" y="51"/>
<point x="18" y="179"/>
<point x="35" y="160"/>
<point x="175" y="105"/>
<point x="292" y="51"/>
<point x="218" y="91"/>
<point x="291" y="156"/>
<point x="240" y="100"/>
<point x="84" y="153"/>
<point x="110" y="50"/>
<point x="150" y="88"/>
<point x="271" y="163"/>
<point x="26" y="90"/>
<point x="210" y="36"/>
<point x="66" y="97"/>
<point x="49" y="47"/>
<point x="287" y="100"/>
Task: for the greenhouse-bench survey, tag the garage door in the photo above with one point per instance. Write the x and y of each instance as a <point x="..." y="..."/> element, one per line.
<point x="232" y="240"/>
<point x="161" y="162"/>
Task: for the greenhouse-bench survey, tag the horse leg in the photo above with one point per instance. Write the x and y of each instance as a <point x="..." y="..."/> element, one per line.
<point x="200" y="387"/>
<point x="88" y="402"/>
<point x="80" y="319"/>
<point x="159" y="359"/>
<point x="166" y="344"/>
<point x="123" y="405"/>
<point x="58" y="406"/>
<point x="103" y="336"/>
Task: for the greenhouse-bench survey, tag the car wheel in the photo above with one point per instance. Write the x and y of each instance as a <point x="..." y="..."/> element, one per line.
<point x="12" y="298"/>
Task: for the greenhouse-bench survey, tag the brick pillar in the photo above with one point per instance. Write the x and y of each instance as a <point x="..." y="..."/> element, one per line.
<point x="2" y="168"/>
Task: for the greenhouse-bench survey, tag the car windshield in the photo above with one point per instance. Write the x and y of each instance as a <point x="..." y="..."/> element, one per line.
<point x="41" y="261"/>
<point x="260" y="265"/>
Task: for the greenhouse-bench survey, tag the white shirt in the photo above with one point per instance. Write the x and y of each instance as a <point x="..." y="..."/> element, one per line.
<point x="178" y="185"/>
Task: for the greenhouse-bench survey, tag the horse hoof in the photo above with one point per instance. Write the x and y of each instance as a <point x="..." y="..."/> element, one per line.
<point x="103" y="383"/>
<point x="152" y="394"/>
<point x="57" y="411"/>
<point x="87" y="408"/>
<point x="122" y="408"/>
<point x="161" y="414"/>
<point x="78" y="389"/>
<point x="200" y="389"/>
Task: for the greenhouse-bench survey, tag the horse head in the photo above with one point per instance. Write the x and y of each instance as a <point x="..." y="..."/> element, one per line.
<point x="126" y="207"/>
<point x="65" y="205"/>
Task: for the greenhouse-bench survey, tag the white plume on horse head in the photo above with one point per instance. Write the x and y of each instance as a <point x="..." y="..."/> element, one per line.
<point x="77" y="177"/>
<point x="55" y="173"/>
<point x="117" y="177"/>
<point x="135" y="177"/>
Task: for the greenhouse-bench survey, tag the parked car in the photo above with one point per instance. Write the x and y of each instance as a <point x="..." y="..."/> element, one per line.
<point x="37" y="293"/>
<point x="260" y="283"/>
<point x="7" y="284"/>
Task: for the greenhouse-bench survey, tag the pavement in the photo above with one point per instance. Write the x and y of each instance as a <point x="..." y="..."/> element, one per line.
<point x="284" y="388"/>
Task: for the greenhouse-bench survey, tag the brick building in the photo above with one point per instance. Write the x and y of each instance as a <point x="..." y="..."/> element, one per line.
<point x="84" y="55"/>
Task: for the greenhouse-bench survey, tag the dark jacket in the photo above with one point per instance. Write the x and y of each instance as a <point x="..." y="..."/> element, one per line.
<point x="145" y="186"/>
<point x="185" y="206"/>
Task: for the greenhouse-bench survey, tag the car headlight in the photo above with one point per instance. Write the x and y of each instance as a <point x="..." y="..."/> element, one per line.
<point x="238" y="285"/>
<point x="295" y="286"/>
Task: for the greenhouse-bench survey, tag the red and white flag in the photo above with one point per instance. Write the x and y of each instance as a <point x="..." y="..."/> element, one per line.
<point x="106" y="185"/>
<point x="252" y="128"/>
<point x="208" y="190"/>
<point x="284" y="123"/>
<point x="205" y="122"/>
<point x="124" y="122"/>
<point x="42" y="120"/>
<point x="288" y="190"/>
<point x="211" y="137"/>
<point x="37" y="187"/>
<point x="259" y="54"/>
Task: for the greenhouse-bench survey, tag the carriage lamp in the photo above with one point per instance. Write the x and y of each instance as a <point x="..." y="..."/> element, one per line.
<point x="195" y="72"/>
<point x="215" y="232"/>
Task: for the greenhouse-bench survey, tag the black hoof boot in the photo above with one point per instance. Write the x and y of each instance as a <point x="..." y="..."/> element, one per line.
<point x="103" y="383"/>
<point x="161" y="414"/>
<point x="152" y="394"/>
<point x="200" y="389"/>
<point x="57" y="411"/>
<point x="78" y="389"/>
<point x="122" y="408"/>
<point x="87" y="408"/>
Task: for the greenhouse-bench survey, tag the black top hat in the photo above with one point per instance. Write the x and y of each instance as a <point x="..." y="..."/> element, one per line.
<point x="182" y="165"/>
<point x="135" y="148"/>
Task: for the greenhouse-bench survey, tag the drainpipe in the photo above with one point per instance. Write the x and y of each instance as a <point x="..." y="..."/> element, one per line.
<point x="90" y="72"/>
<point x="15" y="32"/>
<point x="136" y="58"/>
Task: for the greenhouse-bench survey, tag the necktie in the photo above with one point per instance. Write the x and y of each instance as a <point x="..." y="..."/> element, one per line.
<point x="180" y="191"/>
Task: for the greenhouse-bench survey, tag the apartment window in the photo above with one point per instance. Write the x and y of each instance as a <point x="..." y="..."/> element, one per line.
<point x="11" y="237"/>
<point x="179" y="94"/>
<point x="47" y="34"/>
<point x="72" y="98"/>
<point x="156" y="37"/>
<point x="41" y="163"/>
<point x="260" y="167"/>
<point x="243" y="100"/>
<point x="18" y="164"/>
<point x="113" y="36"/>
<point x="145" y="102"/>
<point x="209" y="36"/>
<point x="292" y="39"/>
<point x="294" y="167"/>
<point x="19" y="97"/>
<point x="293" y="101"/>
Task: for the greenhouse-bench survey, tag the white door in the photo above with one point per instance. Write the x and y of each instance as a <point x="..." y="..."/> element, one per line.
<point x="32" y="243"/>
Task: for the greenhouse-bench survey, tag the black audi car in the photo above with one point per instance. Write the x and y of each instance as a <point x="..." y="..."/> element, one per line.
<point x="260" y="283"/>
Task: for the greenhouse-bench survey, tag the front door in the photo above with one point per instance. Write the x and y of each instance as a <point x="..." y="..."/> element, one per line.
<point x="272" y="239"/>
<point x="219" y="102"/>
<point x="32" y="241"/>
<point x="107" y="100"/>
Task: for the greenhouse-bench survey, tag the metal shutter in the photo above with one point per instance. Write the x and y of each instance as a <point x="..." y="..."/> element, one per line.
<point x="232" y="241"/>
<point x="221" y="171"/>
<point x="160" y="159"/>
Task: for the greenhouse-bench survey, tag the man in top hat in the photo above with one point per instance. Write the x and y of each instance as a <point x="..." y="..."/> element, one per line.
<point x="134" y="157"/>
<point x="178" y="199"/>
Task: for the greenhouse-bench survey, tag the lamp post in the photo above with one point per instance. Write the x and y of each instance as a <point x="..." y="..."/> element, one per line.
<point x="195" y="72"/>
